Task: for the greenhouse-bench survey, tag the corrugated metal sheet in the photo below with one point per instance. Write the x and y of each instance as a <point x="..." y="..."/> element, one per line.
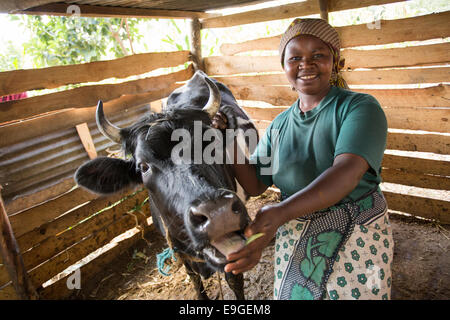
<point x="182" y="5"/>
<point x="43" y="161"/>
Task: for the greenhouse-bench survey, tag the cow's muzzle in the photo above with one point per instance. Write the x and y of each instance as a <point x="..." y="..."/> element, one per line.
<point x="222" y="221"/>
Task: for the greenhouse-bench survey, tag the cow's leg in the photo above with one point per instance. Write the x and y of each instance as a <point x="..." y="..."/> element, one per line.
<point x="198" y="284"/>
<point x="236" y="283"/>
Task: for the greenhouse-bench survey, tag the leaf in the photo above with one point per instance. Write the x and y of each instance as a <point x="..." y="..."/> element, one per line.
<point x="314" y="269"/>
<point x="329" y="241"/>
<point x="301" y="293"/>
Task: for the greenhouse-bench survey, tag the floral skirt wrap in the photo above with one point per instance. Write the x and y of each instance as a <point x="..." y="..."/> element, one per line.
<point x="343" y="252"/>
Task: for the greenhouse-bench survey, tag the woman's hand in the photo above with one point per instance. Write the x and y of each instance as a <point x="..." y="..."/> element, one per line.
<point x="267" y="221"/>
<point x="219" y="121"/>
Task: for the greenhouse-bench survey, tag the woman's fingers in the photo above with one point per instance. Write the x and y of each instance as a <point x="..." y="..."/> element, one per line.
<point x="219" y="121"/>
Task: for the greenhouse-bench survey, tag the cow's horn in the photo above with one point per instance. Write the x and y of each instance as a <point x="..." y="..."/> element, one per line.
<point x="106" y="128"/>
<point x="213" y="104"/>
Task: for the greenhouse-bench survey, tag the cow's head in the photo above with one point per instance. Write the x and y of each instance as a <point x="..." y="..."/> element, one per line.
<point x="197" y="203"/>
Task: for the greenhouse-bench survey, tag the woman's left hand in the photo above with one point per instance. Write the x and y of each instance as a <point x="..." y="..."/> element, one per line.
<point x="267" y="221"/>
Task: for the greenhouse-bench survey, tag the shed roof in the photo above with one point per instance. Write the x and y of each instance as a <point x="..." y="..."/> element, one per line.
<point x="137" y="8"/>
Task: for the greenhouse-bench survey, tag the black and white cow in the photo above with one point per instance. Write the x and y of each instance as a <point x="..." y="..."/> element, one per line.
<point x="194" y="204"/>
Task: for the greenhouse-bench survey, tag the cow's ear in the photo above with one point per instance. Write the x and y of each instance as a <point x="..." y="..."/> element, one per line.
<point x="107" y="175"/>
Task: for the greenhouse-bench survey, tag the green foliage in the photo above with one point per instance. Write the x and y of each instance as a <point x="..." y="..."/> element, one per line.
<point x="72" y="40"/>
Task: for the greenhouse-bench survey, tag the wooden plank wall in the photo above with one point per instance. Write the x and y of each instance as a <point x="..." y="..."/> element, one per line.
<point x="56" y="223"/>
<point x="426" y="107"/>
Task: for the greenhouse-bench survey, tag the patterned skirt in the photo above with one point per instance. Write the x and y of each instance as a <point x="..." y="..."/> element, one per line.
<point x="343" y="252"/>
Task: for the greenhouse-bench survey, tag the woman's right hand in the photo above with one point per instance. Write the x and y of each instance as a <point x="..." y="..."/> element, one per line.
<point x="219" y="121"/>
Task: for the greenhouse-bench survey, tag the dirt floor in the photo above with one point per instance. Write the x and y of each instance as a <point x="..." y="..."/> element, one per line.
<point x="420" y="267"/>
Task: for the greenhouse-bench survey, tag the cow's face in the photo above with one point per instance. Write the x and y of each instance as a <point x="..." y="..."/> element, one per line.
<point x="196" y="202"/>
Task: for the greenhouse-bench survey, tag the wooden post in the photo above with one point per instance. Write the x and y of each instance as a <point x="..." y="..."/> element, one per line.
<point x="12" y="259"/>
<point x="196" y="44"/>
<point x="323" y="4"/>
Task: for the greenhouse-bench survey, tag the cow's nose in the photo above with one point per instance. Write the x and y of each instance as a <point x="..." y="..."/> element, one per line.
<point x="218" y="217"/>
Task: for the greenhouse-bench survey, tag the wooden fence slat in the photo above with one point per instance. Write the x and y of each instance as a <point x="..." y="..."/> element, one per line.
<point x="357" y="77"/>
<point x="435" y="120"/>
<point x="380" y="58"/>
<point x="23" y="130"/>
<point x="430" y="26"/>
<point x="390" y="31"/>
<point x="286" y="11"/>
<point x="52" y="227"/>
<point x="427" y="142"/>
<point x="59" y="242"/>
<point x="59" y="290"/>
<point x="415" y="180"/>
<point x="52" y="77"/>
<point x="217" y="65"/>
<point x="31" y="200"/>
<point x="24" y="169"/>
<point x="32" y="218"/>
<point x="83" y="248"/>
<point x="8" y="293"/>
<point x="419" y="206"/>
<point x="87" y="96"/>
<point x="397" y="57"/>
<point x="401" y="99"/>
<point x="397" y="76"/>
<point x="416" y="165"/>
<point x="423" y="142"/>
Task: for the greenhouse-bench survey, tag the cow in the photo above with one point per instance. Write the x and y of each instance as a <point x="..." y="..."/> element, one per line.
<point x="195" y="206"/>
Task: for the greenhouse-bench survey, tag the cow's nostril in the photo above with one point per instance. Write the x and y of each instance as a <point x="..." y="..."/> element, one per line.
<point x="198" y="218"/>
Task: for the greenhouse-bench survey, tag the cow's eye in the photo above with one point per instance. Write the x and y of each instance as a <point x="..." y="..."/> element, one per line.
<point x="144" y="167"/>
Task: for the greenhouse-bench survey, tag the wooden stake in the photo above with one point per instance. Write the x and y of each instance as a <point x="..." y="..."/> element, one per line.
<point x="323" y="4"/>
<point x="12" y="258"/>
<point x="196" y="44"/>
<point x="86" y="140"/>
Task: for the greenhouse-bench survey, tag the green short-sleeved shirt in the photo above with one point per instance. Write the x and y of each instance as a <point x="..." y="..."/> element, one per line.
<point x="297" y="147"/>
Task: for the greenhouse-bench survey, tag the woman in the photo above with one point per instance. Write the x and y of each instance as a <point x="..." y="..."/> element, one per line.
<point x="333" y="237"/>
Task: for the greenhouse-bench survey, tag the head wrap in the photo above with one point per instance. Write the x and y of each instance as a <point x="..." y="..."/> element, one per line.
<point x="322" y="30"/>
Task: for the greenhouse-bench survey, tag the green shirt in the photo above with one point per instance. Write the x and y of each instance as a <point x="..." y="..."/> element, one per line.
<point x="298" y="146"/>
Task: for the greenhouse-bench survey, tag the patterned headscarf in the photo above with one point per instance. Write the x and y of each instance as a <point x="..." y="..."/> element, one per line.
<point x="322" y="30"/>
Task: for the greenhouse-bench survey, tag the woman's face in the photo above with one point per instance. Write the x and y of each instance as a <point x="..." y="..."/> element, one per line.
<point x="308" y="63"/>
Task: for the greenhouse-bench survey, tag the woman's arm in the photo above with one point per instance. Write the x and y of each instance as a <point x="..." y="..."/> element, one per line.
<point x="326" y="190"/>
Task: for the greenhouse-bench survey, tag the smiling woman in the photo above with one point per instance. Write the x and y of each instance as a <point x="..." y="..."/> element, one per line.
<point x="333" y="238"/>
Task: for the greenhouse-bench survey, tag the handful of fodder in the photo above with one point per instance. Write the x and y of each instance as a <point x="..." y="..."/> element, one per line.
<point x="254" y="237"/>
<point x="229" y="244"/>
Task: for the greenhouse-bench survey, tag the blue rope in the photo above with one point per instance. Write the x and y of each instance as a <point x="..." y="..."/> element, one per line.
<point x="161" y="259"/>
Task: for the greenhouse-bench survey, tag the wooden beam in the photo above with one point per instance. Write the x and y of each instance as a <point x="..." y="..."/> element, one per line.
<point x="38" y="126"/>
<point x="86" y="140"/>
<point x="436" y="54"/>
<point x="86" y="96"/>
<point x="52" y="77"/>
<point x="419" y="28"/>
<point x="195" y="40"/>
<point x="292" y="10"/>
<point x="323" y="5"/>
<point x="358" y="77"/>
<point x="12" y="258"/>
<point x="419" y="206"/>
<point x="62" y="9"/>
<point x="427" y="142"/>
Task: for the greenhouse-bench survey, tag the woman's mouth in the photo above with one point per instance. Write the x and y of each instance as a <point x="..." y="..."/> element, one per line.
<point x="308" y="77"/>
